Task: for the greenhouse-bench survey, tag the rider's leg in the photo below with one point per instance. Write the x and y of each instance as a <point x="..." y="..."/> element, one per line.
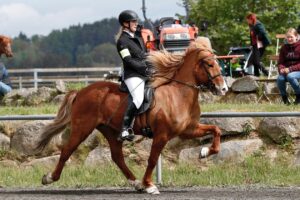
<point x="127" y="133"/>
<point x="136" y="87"/>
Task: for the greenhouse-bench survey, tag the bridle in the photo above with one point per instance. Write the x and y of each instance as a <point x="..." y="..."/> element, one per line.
<point x="203" y="86"/>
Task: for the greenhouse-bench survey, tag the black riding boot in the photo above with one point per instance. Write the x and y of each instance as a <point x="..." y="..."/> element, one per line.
<point x="285" y="100"/>
<point x="127" y="132"/>
<point x="264" y="71"/>
<point x="297" y="100"/>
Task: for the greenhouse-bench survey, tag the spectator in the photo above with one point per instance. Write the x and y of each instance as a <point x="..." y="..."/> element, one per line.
<point x="5" y="84"/>
<point x="289" y="65"/>
<point x="259" y="41"/>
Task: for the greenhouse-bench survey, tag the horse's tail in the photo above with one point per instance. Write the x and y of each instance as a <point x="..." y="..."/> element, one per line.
<point x="60" y="122"/>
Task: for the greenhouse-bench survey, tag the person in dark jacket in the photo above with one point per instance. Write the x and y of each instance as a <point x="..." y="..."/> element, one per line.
<point x="132" y="51"/>
<point x="289" y="65"/>
<point x="5" y="84"/>
<point x="259" y="41"/>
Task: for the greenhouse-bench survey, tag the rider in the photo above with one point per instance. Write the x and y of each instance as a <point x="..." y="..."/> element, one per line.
<point x="133" y="54"/>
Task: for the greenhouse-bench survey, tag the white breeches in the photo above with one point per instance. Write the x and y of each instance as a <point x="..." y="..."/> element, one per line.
<point x="136" y="87"/>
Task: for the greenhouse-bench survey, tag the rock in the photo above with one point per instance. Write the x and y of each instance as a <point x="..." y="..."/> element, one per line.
<point x="208" y="97"/>
<point x="9" y="163"/>
<point x="92" y="141"/>
<point x="49" y="162"/>
<point x="42" y="95"/>
<point x="190" y="155"/>
<point x="245" y="98"/>
<point x="236" y="150"/>
<point x="4" y="142"/>
<point x="280" y="129"/>
<point x="28" y="134"/>
<point x="233" y="151"/>
<point x="60" y="86"/>
<point x="245" y="84"/>
<point x="58" y="99"/>
<point x="232" y="126"/>
<point x="229" y="81"/>
<point x="98" y="156"/>
<point x="8" y="128"/>
<point x="17" y="97"/>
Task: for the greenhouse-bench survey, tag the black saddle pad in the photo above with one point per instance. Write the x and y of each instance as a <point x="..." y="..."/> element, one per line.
<point x="148" y="96"/>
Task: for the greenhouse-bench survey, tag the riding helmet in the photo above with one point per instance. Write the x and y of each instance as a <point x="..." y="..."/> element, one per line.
<point x="127" y="15"/>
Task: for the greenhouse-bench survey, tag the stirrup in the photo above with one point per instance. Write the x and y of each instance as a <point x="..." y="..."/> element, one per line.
<point x="126" y="134"/>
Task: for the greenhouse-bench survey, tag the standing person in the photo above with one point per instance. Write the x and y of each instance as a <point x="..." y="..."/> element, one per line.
<point x="259" y="41"/>
<point x="133" y="54"/>
<point x="5" y="84"/>
<point x="289" y="65"/>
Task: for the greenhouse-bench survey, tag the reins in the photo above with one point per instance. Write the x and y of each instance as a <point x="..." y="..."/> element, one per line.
<point x="202" y="87"/>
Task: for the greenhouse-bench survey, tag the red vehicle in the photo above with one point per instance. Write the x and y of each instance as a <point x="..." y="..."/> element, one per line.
<point x="171" y="34"/>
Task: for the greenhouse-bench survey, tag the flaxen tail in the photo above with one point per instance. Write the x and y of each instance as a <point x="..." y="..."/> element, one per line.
<point x="60" y="122"/>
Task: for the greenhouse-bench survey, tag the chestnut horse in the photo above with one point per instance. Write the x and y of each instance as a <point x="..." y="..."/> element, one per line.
<point x="175" y="111"/>
<point x="5" y="46"/>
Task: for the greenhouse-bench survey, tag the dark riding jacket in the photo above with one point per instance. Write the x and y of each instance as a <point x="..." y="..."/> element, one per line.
<point x="133" y="54"/>
<point x="258" y="30"/>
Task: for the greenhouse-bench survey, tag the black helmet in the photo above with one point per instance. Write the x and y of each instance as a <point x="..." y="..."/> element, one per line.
<point x="127" y="15"/>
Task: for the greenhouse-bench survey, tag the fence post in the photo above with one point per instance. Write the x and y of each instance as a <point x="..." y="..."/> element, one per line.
<point x="159" y="171"/>
<point x="35" y="79"/>
<point x="20" y="82"/>
<point x="86" y="79"/>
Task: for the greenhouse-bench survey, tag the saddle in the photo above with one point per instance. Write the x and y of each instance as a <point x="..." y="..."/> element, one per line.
<point x="148" y="98"/>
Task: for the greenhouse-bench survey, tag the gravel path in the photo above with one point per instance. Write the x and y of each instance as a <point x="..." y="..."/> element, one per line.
<point x="199" y="193"/>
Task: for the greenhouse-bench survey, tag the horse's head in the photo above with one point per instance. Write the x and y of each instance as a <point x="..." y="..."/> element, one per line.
<point x="206" y="69"/>
<point x="5" y="46"/>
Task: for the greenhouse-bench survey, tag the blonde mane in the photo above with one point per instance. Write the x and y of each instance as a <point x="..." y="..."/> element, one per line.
<point x="167" y="64"/>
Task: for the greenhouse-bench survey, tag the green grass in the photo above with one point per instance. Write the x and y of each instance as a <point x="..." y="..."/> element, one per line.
<point x="263" y="107"/>
<point x="255" y="170"/>
<point x="217" y="107"/>
<point x="28" y="110"/>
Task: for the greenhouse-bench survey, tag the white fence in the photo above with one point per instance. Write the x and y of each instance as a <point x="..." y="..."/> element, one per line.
<point x="24" y="78"/>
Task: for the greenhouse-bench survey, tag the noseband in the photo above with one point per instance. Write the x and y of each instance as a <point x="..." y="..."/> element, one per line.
<point x="210" y="85"/>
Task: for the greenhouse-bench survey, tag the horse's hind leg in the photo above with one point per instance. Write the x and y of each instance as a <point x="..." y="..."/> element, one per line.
<point x="118" y="157"/>
<point x="201" y="130"/>
<point x="77" y="135"/>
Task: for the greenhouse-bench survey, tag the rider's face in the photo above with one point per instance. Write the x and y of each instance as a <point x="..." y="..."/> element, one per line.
<point x="133" y="25"/>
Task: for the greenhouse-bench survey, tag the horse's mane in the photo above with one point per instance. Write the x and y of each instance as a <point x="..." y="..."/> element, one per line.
<point x="5" y="38"/>
<point x="166" y="64"/>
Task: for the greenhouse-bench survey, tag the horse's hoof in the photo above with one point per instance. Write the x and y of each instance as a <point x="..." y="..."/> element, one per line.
<point x="138" y="186"/>
<point x="47" y="179"/>
<point x="152" y="190"/>
<point x="204" y="152"/>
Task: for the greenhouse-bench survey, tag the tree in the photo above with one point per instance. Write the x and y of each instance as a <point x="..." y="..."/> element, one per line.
<point x="227" y="26"/>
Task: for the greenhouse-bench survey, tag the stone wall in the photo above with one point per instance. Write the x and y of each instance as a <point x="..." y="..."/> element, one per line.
<point x="241" y="137"/>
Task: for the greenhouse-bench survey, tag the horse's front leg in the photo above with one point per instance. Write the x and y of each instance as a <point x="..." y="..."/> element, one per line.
<point x="118" y="157"/>
<point x="156" y="148"/>
<point x="201" y="130"/>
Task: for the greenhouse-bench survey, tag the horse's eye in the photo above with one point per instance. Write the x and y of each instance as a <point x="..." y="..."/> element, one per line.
<point x="210" y="65"/>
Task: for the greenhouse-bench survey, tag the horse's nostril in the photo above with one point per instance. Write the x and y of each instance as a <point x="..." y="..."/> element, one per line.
<point x="224" y="89"/>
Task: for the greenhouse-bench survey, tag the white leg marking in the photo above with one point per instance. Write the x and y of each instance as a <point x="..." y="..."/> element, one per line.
<point x="152" y="190"/>
<point x="204" y="152"/>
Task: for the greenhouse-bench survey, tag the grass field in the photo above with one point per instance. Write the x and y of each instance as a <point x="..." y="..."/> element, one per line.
<point x="255" y="170"/>
<point x="52" y="109"/>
